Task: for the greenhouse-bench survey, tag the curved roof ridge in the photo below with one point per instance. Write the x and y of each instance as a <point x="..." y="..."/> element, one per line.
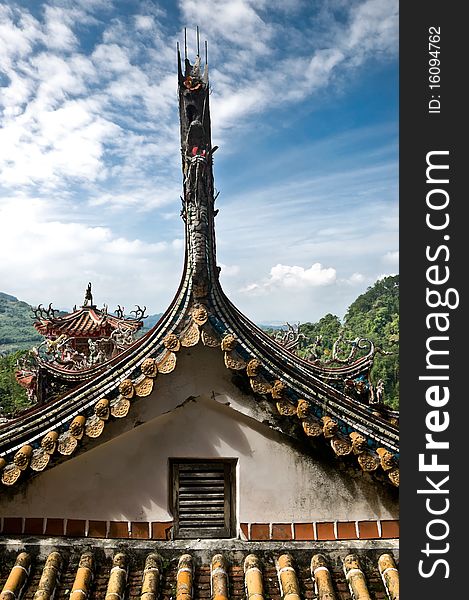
<point x="202" y="313"/>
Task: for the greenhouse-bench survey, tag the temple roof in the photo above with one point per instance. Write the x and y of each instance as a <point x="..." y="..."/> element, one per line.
<point x="172" y="571"/>
<point x="86" y="321"/>
<point x="294" y="389"/>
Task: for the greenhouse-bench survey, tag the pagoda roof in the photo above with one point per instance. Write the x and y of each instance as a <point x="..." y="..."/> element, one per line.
<point x="299" y="394"/>
<point x="86" y="321"/>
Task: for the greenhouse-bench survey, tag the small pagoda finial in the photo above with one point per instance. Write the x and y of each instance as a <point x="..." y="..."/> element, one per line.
<point x="88" y="296"/>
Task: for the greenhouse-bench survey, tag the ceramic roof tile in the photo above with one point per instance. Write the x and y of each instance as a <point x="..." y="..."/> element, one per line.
<point x="138" y="571"/>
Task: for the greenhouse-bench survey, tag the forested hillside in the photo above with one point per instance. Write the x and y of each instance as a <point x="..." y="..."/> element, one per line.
<point x="13" y="397"/>
<point x="373" y="315"/>
<point x="16" y="325"/>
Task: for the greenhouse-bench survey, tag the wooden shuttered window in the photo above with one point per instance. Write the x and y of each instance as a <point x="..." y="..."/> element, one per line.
<point x="203" y="499"/>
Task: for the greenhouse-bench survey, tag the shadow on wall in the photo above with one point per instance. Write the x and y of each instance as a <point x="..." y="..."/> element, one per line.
<point x="127" y="477"/>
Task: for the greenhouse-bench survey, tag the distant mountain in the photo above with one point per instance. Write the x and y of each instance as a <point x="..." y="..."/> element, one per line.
<point x="151" y="321"/>
<point x="271" y="326"/>
<point x="16" y="325"/>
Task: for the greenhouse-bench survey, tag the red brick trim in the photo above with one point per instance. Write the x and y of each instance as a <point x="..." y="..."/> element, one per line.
<point x="84" y="528"/>
<point x="161" y="531"/>
<point x="12" y="525"/>
<point x="55" y="527"/>
<point x="76" y="528"/>
<point x="347" y="531"/>
<point x="33" y="526"/>
<point x="260" y="531"/>
<point x="304" y="531"/>
<point x="326" y="531"/>
<point x="140" y="530"/>
<point x="321" y="530"/>
<point x="118" y="529"/>
<point x="368" y="530"/>
<point x="390" y="529"/>
<point x="97" y="529"/>
<point x="244" y="528"/>
<point x="318" y="530"/>
<point x="281" y="531"/>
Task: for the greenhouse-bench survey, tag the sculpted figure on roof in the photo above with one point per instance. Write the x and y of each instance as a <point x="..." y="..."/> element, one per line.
<point x="88" y="296"/>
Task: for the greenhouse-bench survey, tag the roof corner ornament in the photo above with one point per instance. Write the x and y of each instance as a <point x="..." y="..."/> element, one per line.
<point x="41" y="313"/>
<point x="377" y="393"/>
<point x="139" y="313"/>
<point x="291" y="337"/>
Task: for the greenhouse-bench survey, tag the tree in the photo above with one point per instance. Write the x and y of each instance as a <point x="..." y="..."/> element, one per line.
<point x="13" y="397"/>
<point x="327" y="328"/>
<point x="375" y="315"/>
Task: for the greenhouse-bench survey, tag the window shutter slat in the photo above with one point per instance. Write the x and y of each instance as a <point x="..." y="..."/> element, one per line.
<point x="202" y="499"/>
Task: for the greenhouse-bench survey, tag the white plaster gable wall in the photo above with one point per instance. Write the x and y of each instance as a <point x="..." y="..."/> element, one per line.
<point x="127" y="477"/>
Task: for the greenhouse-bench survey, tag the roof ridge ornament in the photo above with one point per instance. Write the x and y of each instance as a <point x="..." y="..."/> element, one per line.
<point x="198" y="196"/>
<point x="88" y="301"/>
<point x="43" y="314"/>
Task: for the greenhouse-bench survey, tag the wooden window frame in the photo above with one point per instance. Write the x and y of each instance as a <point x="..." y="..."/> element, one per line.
<point x="229" y="529"/>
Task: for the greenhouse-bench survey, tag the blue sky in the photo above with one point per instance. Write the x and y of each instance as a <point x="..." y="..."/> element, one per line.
<point x="304" y="108"/>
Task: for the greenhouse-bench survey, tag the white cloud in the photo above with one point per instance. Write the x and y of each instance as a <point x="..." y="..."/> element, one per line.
<point x="373" y="28"/>
<point x="228" y="270"/>
<point x="391" y="258"/>
<point x="56" y="258"/>
<point x="94" y="125"/>
<point x="50" y="145"/>
<point x="111" y="59"/>
<point x="123" y="122"/>
<point x="356" y="279"/>
<point x="294" y="278"/>
<point x="18" y="33"/>
<point x="233" y="22"/>
<point x="142" y="198"/>
<point x="144" y="22"/>
<point x="58" y="34"/>
<point x="66" y="114"/>
<point x="252" y="69"/>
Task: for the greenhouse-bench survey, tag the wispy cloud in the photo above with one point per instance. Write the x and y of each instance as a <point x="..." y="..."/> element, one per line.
<point x="392" y="258"/>
<point x="119" y="95"/>
<point x="68" y="254"/>
<point x="293" y="278"/>
<point x="261" y="57"/>
<point x="89" y="133"/>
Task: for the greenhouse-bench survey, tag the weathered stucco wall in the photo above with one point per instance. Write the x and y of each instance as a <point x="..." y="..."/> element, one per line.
<point x="196" y="412"/>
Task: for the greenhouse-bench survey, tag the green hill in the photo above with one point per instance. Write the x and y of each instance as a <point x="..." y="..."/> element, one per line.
<point x="151" y="321"/>
<point x="16" y="325"/>
<point x="373" y="315"/>
<point x="13" y="398"/>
